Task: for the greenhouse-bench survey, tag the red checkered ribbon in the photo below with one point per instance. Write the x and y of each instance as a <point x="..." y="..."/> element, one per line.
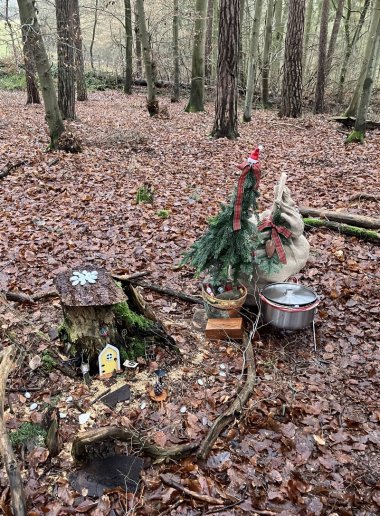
<point x="276" y="231"/>
<point x="246" y="168"/>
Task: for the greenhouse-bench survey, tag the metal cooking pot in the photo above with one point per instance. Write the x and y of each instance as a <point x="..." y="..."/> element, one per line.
<point x="288" y="306"/>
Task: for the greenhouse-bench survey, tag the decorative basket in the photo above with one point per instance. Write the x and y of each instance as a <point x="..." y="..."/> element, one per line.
<point x="218" y="306"/>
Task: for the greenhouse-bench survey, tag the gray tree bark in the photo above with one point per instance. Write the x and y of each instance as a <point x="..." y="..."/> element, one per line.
<point x="128" y="47"/>
<point x="152" y="102"/>
<point x="138" y="45"/>
<point x="266" y="54"/>
<point x="277" y="43"/>
<point x="29" y="22"/>
<point x="32" y="93"/>
<point x="196" y="101"/>
<point x="321" y="76"/>
<point x="79" y="59"/>
<point x="225" y="123"/>
<point x="93" y="34"/>
<point x="175" y="91"/>
<point x="334" y="36"/>
<point x="209" y="41"/>
<point x="252" y="63"/>
<point x="66" y="62"/>
<point x="291" y="97"/>
<point x="309" y="16"/>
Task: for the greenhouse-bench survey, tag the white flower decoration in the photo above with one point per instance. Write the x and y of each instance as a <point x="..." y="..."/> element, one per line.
<point x="83" y="277"/>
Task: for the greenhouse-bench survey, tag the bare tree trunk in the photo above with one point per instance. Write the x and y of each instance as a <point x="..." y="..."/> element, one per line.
<point x="66" y="63"/>
<point x="138" y="45"/>
<point x="215" y="36"/>
<point x="152" y="102"/>
<point x="225" y="123"/>
<point x="350" y="44"/>
<point x="9" y="25"/>
<point x="29" y="22"/>
<point x="266" y="53"/>
<point x="128" y="47"/>
<point x="334" y="36"/>
<point x="291" y="101"/>
<point x="33" y="96"/>
<point x="196" y="101"/>
<point x="175" y="92"/>
<point x="252" y="65"/>
<point x="372" y="50"/>
<point x="242" y="78"/>
<point x="277" y="43"/>
<point x="321" y="77"/>
<point x="309" y="16"/>
<point x="79" y="59"/>
<point x="93" y="34"/>
<point x="209" y="41"/>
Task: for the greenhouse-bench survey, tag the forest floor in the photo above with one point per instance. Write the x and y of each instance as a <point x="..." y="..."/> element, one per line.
<point x="308" y="440"/>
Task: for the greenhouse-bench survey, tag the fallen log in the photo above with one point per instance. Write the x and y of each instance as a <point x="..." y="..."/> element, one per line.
<point x="364" y="195"/>
<point x="349" y="121"/>
<point x="237" y="406"/>
<point x="359" y="221"/>
<point x="7" y="364"/>
<point x="345" y="229"/>
<point x="9" y="167"/>
<point x="134" y="438"/>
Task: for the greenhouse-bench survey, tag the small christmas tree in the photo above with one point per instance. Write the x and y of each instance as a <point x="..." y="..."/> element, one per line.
<point x="226" y="250"/>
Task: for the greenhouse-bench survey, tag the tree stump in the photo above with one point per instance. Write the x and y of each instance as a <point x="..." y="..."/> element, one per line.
<point x="88" y="310"/>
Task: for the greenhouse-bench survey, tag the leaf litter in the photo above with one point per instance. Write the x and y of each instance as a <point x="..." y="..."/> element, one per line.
<point x="308" y="441"/>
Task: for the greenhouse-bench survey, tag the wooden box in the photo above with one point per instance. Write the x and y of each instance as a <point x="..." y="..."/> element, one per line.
<point x="218" y="329"/>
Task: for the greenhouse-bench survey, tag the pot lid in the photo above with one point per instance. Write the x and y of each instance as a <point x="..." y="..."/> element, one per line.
<point x="289" y="294"/>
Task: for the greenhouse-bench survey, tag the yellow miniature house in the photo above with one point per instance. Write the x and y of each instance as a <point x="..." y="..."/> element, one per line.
<point x="109" y="360"/>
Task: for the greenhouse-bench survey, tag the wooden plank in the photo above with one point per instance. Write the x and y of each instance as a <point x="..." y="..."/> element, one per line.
<point x="224" y="328"/>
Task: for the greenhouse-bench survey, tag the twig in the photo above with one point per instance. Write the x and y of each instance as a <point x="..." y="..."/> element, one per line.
<point x="19" y="297"/>
<point x="100" y="396"/>
<point x="172" y="507"/>
<point x="290" y="125"/>
<point x="53" y="162"/>
<point x="130" y="277"/>
<point x="167" y="479"/>
<point x="168" y="291"/>
<point x="6" y="451"/>
<point x="9" y="167"/>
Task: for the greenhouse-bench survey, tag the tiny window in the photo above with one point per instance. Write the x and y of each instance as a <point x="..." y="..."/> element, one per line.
<point x="109" y="356"/>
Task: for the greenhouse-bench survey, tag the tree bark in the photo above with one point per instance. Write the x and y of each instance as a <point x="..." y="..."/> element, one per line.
<point x="347" y="218"/>
<point x="196" y="101"/>
<point x="252" y="63"/>
<point x="266" y="54"/>
<point x="79" y="59"/>
<point x="28" y="18"/>
<point x="152" y="102"/>
<point x="277" y="43"/>
<point x="33" y="96"/>
<point x="321" y="76"/>
<point x="291" y="96"/>
<point x="334" y="36"/>
<point x="128" y="47"/>
<point x="138" y="45"/>
<point x="309" y="15"/>
<point x="10" y="28"/>
<point x="93" y="34"/>
<point x="66" y="62"/>
<point x="176" y="77"/>
<point x="345" y="229"/>
<point x="225" y="123"/>
<point x="209" y="41"/>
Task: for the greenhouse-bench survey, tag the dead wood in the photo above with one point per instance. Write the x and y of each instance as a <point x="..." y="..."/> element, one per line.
<point x="349" y="121"/>
<point x="9" y="167"/>
<point x="134" y="438"/>
<point x="168" y="480"/>
<point x="359" y="221"/>
<point x="364" y="195"/>
<point x="8" y="458"/>
<point x="19" y="297"/>
<point x="168" y="291"/>
<point x="236" y="408"/>
<point x="345" y="229"/>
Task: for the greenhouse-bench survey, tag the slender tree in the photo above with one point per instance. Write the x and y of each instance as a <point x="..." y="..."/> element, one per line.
<point x="252" y="62"/>
<point x="152" y="102"/>
<point x="29" y="22"/>
<point x="321" y="76"/>
<point x="225" y="123"/>
<point x="66" y="63"/>
<point x="266" y="53"/>
<point x="128" y="80"/>
<point x="209" y="41"/>
<point x="79" y="58"/>
<point x="308" y="18"/>
<point x="366" y="63"/>
<point x="175" y="91"/>
<point x="373" y="48"/>
<point x="277" y="42"/>
<point x="196" y="101"/>
<point x="334" y="36"/>
<point x="93" y="34"/>
<point x="138" y="44"/>
<point x="291" y="97"/>
<point x="33" y="96"/>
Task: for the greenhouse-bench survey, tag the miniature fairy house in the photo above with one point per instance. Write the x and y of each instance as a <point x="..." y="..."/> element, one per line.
<point x="109" y="360"/>
<point x="88" y="298"/>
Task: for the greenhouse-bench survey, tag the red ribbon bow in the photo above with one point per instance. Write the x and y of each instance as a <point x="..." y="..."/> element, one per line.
<point x="276" y="230"/>
<point x="246" y="168"/>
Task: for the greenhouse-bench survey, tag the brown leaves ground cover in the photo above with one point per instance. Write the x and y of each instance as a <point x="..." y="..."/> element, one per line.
<point x="308" y="442"/>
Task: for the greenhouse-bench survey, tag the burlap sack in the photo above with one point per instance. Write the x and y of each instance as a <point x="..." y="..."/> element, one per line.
<point x="296" y="249"/>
